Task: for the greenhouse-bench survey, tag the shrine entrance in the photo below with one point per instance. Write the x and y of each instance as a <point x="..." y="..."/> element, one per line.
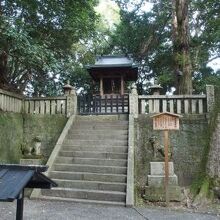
<point x="112" y="86"/>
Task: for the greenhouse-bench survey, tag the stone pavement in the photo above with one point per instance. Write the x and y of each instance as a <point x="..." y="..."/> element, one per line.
<point x="56" y="210"/>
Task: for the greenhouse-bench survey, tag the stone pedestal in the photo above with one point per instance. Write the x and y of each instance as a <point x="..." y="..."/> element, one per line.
<point x="155" y="190"/>
<point x="30" y="161"/>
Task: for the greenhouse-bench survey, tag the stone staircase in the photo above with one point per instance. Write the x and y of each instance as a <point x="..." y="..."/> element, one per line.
<point x="92" y="163"/>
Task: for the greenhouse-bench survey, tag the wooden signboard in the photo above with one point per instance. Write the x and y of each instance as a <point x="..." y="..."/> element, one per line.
<point x="166" y="121"/>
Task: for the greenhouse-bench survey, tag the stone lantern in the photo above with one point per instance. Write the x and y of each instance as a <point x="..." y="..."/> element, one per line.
<point x="71" y="101"/>
<point x="155" y="89"/>
<point x="68" y="89"/>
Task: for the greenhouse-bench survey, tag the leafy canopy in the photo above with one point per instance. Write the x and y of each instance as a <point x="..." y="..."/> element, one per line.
<point x="36" y="40"/>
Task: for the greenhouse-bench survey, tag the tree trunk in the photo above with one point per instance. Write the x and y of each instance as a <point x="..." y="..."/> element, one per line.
<point x="181" y="53"/>
<point x="3" y="69"/>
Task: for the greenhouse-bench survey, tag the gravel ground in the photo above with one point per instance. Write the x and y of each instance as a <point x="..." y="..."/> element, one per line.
<point x="56" y="210"/>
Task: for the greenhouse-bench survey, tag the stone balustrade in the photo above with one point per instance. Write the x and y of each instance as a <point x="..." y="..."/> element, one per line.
<point x="64" y="105"/>
<point x="10" y="102"/>
<point x="138" y="104"/>
<point x="46" y="105"/>
<point x="180" y="104"/>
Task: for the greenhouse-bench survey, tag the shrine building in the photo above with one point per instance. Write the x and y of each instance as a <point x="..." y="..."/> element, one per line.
<point x="111" y="73"/>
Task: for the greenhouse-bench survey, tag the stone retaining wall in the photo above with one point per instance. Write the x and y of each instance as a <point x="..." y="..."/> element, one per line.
<point x="20" y="130"/>
<point x="187" y="144"/>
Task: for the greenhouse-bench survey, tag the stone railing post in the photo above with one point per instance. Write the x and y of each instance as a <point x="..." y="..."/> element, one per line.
<point x="71" y="99"/>
<point x="210" y="94"/>
<point x="133" y="102"/>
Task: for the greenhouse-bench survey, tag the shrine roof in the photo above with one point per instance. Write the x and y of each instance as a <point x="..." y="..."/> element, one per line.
<point x="113" y="66"/>
<point x="110" y="61"/>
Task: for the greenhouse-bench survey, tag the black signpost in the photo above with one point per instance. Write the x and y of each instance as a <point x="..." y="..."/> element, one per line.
<point x="15" y="178"/>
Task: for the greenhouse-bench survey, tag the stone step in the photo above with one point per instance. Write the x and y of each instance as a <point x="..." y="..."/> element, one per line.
<point x="114" y="123"/>
<point x="93" y="154"/>
<point x="94" y="185"/>
<point x="85" y="194"/>
<point x="87" y="201"/>
<point x="108" y="142"/>
<point x="105" y="148"/>
<point x="110" y="132"/>
<point x="99" y="136"/>
<point x="99" y="127"/>
<point x="90" y="168"/>
<point x="119" y="178"/>
<point x="91" y="161"/>
<point x="107" y="118"/>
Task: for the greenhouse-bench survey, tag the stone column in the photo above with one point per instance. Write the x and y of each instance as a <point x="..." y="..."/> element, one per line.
<point x="210" y="96"/>
<point x="122" y="85"/>
<point x="101" y="87"/>
<point x="133" y="101"/>
<point x="71" y="99"/>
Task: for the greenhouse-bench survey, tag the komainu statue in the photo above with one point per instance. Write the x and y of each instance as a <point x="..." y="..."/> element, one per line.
<point x="158" y="149"/>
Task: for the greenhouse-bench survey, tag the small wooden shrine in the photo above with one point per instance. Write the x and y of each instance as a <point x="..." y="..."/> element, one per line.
<point x="112" y="72"/>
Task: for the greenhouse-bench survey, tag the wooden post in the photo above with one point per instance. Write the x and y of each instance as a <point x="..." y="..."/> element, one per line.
<point x="166" y="153"/>
<point x="101" y="86"/>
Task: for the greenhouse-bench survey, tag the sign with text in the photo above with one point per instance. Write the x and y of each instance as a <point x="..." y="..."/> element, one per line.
<point x="166" y="121"/>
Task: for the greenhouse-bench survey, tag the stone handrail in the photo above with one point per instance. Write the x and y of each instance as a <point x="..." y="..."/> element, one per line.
<point x="180" y="104"/>
<point x="10" y="102"/>
<point x="64" y="105"/>
<point x="46" y="105"/>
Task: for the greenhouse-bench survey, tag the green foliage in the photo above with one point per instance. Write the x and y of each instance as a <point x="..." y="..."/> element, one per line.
<point x="148" y="36"/>
<point x="36" y="41"/>
<point x="206" y="76"/>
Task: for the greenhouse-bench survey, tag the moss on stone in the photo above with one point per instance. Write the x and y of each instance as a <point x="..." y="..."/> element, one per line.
<point x="187" y="144"/>
<point x="47" y="128"/>
<point x="19" y="131"/>
<point x="203" y="184"/>
<point x="11" y="137"/>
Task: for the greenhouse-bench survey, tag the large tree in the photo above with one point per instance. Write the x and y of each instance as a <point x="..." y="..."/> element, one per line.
<point x="36" y="39"/>
<point x="174" y="41"/>
<point x="181" y="48"/>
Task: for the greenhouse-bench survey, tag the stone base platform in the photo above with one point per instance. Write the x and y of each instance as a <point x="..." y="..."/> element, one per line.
<point x="158" y="181"/>
<point x="157" y="194"/>
<point x="155" y="191"/>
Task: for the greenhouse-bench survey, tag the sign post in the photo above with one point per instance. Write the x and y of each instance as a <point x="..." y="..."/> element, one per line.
<point x="166" y="121"/>
<point x="166" y="152"/>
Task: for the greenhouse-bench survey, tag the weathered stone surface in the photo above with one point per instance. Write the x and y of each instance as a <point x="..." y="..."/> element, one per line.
<point x="30" y="161"/>
<point x="86" y="177"/>
<point x="11" y="137"/>
<point x="155" y="194"/>
<point x="213" y="166"/>
<point x="158" y="180"/>
<point x="158" y="168"/>
<point x="47" y="127"/>
<point x="187" y="145"/>
<point x="19" y="131"/>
